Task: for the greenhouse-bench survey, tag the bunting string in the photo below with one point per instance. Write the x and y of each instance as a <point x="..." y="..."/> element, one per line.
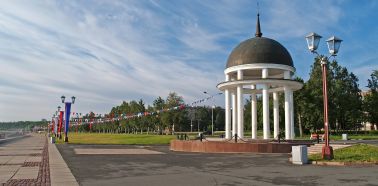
<point x="78" y="119"/>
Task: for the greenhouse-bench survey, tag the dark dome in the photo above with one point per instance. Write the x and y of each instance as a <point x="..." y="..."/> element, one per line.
<point x="259" y="50"/>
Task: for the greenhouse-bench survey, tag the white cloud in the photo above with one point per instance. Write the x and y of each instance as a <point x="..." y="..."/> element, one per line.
<point x="104" y="52"/>
<point x="99" y="61"/>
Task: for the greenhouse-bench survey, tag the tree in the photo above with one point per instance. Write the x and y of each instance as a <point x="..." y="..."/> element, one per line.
<point x="219" y="119"/>
<point x="371" y="99"/>
<point x="347" y="98"/>
<point x="174" y="118"/>
<point x="344" y="100"/>
<point x="299" y="101"/>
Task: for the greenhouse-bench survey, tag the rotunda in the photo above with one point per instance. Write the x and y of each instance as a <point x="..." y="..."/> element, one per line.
<point x="256" y="66"/>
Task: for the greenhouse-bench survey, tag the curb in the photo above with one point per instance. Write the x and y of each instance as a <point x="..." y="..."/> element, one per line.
<point x="60" y="174"/>
<point x="337" y="163"/>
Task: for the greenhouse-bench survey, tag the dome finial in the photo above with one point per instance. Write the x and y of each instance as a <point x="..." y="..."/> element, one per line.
<point x="258" y="29"/>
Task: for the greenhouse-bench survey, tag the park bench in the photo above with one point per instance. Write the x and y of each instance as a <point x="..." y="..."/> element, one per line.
<point x="315" y="137"/>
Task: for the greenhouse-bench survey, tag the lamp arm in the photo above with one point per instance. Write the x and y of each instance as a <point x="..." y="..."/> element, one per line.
<point x="316" y="53"/>
<point x="331" y="55"/>
<point x="327" y="57"/>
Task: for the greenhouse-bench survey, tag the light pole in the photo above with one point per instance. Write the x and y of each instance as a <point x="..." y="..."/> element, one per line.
<point x="212" y="113"/>
<point x="212" y="120"/>
<point x="333" y="47"/>
<point x="67" y="115"/>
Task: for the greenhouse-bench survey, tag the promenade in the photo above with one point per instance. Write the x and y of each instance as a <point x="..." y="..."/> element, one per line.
<point x="33" y="161"/>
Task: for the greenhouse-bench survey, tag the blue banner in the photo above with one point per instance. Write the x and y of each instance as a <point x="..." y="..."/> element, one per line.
<point x="67" y="117"/>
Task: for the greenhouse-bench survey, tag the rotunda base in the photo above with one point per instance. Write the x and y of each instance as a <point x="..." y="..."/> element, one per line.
<point x="254" y="146"/>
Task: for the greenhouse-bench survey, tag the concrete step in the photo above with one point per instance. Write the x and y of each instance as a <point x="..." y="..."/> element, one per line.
<point x="317" y="148"/>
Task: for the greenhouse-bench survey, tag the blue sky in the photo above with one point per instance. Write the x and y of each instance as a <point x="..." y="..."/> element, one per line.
<point x="104" y="52"/>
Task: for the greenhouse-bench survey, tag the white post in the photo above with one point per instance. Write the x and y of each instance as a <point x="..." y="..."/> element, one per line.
<point x="287" y="108"/>
<point x="254" y="113"/>
<point x="292" y="132"/>
<point x="240" y="105"/>
<point x="227" y="112"/>
<point x="265" y="94"/>
<point x="234" y="111"/>
<point x="276" y="116"/>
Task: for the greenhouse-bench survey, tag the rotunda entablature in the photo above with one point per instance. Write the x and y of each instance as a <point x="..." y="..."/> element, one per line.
<point x="254" y="71"/>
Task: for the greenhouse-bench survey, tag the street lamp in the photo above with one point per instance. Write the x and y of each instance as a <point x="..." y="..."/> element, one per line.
<point x="60" y="122"/>
<point x="333" y="48"/>
<point x="212" y="119"/>
<point x="212" y="113"/>
<point x="67" y="114"/>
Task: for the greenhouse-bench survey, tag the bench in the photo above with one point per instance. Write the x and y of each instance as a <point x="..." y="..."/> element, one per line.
<point x="314" y="137"/>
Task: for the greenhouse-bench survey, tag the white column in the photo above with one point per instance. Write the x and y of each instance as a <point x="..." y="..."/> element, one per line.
<point x="234" y="117"/>
<point x="276" y="116"/>
<point x="227" y="112"/>
<point x="265" y="95"/>
<point x="292" y="115"/>
<point x="254" y="113"/>
<point x="287" y="91"/>
<point x="240" y="105"/>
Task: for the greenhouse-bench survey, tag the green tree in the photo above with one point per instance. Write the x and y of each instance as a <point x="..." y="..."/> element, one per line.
<point x="174" y="118"/>
<point x="219" y="120"/>
<point x="371" y="99"/>
<point x="344" y="100"/>
<point x="299" y="106"/>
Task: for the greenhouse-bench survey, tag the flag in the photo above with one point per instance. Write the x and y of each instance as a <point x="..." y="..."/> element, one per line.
<point x="55" y="125"/>
<point x="68" y="111"/>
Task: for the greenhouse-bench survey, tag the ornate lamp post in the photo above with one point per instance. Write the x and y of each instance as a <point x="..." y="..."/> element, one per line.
<point x="333" y="48"/>
<point x="67" y="114"/>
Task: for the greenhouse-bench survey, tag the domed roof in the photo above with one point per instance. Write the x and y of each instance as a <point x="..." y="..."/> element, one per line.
<point x="259" y="50"/>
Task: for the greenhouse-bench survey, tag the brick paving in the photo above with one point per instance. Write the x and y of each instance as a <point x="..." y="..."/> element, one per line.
<point x="28" y="168"/>
<point x="43" y="177"/>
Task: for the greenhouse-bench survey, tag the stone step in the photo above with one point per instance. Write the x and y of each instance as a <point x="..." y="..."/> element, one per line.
<point x="317" y="148"/>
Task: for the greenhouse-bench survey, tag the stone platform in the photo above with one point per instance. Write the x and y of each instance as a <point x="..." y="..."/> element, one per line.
<point x="258" y="146"/>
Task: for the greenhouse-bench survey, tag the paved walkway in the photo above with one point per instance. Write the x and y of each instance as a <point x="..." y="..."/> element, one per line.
<point x="30" y="160"/>
<point x="182" y="168"/>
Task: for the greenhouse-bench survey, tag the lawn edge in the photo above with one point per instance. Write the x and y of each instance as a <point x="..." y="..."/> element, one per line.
<point x="340" y="163"/>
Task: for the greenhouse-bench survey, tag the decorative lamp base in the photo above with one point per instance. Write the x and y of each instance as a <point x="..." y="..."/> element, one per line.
<point x="327" y="153"/>
<point x="66" y="139"/>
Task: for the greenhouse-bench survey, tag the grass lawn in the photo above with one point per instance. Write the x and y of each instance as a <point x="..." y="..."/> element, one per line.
<point x="356" y="137"/>
<point x="117" y="139"/>
<point x="355" y="153"/>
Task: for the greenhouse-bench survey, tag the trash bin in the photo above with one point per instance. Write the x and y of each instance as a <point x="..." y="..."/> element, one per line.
<point x="299" y="154"/>
<point x="345" y="136"/>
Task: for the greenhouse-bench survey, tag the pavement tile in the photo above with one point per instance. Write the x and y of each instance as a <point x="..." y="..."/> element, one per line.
<point x="34" y="159"/>
<point x="66" y="183"/>
<point x="5" y="159"/>
<point x="17" y="160"/>
<point x="27" y="173"/>
<point x="9" y="168"/>
<point x="4" y="177"/>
